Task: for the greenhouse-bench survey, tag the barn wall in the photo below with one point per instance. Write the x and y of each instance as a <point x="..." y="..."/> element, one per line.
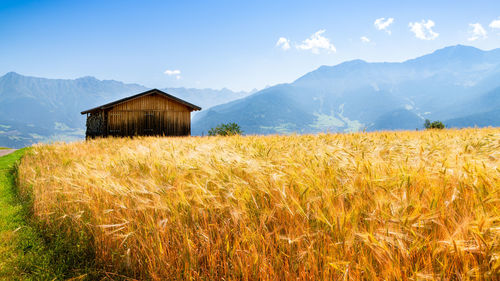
<point x="149" y="115"/>
<point x="95" y="125"/>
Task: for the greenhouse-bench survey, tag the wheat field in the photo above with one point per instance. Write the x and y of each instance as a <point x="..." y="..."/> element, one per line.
<point x="362" y="206"/>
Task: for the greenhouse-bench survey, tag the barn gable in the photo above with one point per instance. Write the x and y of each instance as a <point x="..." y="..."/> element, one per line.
<point x="140" y="95"/>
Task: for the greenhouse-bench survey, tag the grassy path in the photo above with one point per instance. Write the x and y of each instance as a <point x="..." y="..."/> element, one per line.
<point x="25" y="252"/>
<point x="22" y="252"/>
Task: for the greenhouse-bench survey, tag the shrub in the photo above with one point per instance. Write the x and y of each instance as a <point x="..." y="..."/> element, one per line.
<point x="433" y="125"/>
<point x="229" y="129"/>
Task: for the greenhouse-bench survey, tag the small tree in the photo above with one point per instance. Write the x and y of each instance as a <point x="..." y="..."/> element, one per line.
<point x="433" y="125"/>
<point x="229" y="129"/>
<point x="427" y="124"/>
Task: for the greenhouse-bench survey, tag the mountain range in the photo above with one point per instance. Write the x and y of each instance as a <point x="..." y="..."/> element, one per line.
<point x="458" y="85"/>
<point x="44" y="110"/>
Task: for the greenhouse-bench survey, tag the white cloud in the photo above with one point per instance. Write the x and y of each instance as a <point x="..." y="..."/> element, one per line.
<point x="317" y="42"/>
<point x="175" y="73"/>
<point x="283" y="43"/>
<point x="423" y="30"/>
<point x="477" y="32"/>
<point x="365" y="39"/>
<point x="172" y="72"/>
<point x="383" y="24"/>
<point x="495" y="23"/>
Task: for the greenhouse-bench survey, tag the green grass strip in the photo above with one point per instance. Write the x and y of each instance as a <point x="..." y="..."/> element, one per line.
<point x="27" y="250"/>
<point x="23" y="255"/>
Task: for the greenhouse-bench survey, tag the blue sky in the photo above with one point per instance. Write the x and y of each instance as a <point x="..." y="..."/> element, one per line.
<point x="229" y="44"/>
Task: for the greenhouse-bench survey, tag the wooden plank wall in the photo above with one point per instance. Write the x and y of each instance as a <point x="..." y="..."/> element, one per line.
<point x="149" y="115"/>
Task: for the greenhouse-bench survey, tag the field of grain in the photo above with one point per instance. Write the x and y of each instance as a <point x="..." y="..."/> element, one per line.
<point x="374" y="206"/>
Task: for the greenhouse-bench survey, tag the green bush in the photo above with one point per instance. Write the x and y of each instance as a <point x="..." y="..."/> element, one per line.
<point x="433" y="125"/>
<point x="229" y="129"/>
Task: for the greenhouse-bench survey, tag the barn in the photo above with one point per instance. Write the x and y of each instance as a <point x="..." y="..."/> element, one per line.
<point x="151" y="113"/>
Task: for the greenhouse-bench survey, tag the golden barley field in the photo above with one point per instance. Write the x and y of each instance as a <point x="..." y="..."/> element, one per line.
<point x="361" y="206"/>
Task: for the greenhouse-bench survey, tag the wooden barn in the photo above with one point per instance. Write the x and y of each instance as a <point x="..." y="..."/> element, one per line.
<point x="152" y="113"/>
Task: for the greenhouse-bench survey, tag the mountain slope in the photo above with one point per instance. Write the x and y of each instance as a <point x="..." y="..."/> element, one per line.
<point x="263" y="112"/>
<point x="483" y="119"/>
<point x="206" y="98"/>
<point x="359" y="95"/>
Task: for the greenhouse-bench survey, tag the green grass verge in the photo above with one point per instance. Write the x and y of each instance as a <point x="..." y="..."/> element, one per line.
<point x="1" y="147"/>
<point x="26" y="251"/>
<point x="21" y="250"/>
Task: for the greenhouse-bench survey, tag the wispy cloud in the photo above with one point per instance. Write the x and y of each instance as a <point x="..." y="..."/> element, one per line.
<point x="477" y="32"/>
<point x="495" y="24"/>
<point x="423" y="30"/>
<point x="317" y="42"/>
<point x="365" y="39"/>
<point x="283" y="43"/>
<point x="176" y="73"/>
<point x="383" y="24"/>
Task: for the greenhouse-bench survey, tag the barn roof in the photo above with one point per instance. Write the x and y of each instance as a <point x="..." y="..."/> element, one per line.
<point x="150" y="92"/>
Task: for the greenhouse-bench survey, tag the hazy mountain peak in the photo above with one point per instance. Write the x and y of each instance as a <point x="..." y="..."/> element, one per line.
<point x="458" y="51"/>
<point x="10" y="75"/>
<point x="326" y="72"/>
<point x="352" y="62"/>
<point x="458" y="47"/>
<point x="88" y="78"/>
<point x="452" y="55"/>
<point x="343" y="65"/>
